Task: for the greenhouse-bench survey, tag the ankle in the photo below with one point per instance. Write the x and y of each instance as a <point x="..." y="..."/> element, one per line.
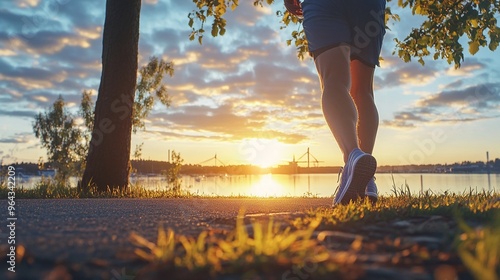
<point x="348" y="154"/>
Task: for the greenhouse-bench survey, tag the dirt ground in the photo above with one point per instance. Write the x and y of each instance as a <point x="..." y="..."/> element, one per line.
<point x="89" y="238"/>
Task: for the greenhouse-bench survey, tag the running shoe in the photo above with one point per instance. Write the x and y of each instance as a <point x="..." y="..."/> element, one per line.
<point x="356" y="174"/>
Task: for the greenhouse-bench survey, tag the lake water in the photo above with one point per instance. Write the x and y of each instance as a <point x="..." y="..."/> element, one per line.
<point x="315" y="184"/>
<point x="325" y="184"/>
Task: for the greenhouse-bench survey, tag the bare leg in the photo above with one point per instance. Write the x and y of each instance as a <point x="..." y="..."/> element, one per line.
<point x="338" y="107"/>
<point x="362" y="94"/>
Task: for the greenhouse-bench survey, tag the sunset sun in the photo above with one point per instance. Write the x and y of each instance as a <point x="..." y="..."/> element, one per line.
<point x="264" y="152"/>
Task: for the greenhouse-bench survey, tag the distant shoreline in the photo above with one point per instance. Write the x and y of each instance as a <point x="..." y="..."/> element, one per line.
<point x="148" y="167"/>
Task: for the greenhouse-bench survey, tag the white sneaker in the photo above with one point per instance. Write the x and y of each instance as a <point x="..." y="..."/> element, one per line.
<point x="356" y="174"/>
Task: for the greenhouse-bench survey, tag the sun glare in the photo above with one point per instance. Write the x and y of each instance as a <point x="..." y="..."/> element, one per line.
<point x="267" y="187"/>
<point x="264" y="152"/>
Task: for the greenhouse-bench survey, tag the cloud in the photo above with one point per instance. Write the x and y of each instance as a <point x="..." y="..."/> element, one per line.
<point x="245" y="84"/>
<point x="405" y="119"/>
<point x="455" y="84"/>
<point x="50" y="42"/>
<point x="410" y="74"/>
<point x="18" y="138"/>
<point x="17" y="113"/>
<point x="220" y="123"/>
<point x="396" y="73"/>
<point x="26" y="22"/>
<point x="467" y="69"/>
<point x="28" y="78"/>
<point x="480" y="96"/>
<point x="151" y="2"/>
<point x="236" y="87"/>
<point x="27" y="3"/>
<point x="54" y="58"/>
<point x="454" y="105"/>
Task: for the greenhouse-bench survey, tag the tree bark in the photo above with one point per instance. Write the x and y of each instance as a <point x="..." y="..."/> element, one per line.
<point x="109" y="151"/>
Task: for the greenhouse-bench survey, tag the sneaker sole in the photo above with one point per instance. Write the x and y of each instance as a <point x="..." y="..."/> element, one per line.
<point x="364" y="169"/>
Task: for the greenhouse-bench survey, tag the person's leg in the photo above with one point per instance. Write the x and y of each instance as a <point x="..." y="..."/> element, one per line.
<point x="338" y="107"/>
<point x="333" y="67"/>
<point x="362" y="94"/>
<point x="328" y="31"/>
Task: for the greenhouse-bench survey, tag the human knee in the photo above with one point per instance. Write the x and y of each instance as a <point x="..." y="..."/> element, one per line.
<point x="333" y="86"/>
<point x="362" y="94"/>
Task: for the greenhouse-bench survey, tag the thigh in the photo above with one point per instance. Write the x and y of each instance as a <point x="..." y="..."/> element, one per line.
<point x="325" y="24"/>
<point x="333" y="69"/>
<point x="366" y="19"/>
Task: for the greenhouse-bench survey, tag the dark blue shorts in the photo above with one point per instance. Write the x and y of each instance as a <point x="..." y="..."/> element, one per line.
<point x="357" y="23"/>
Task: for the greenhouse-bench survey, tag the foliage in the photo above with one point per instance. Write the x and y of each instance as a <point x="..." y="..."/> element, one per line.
<point x="479" y="249"/>
<point x="50" y="188"/>
<point x="86" y="112"/>
<point x="207" y="9"/>
<point x="269" y="245"/>
<point x="65" y="141"/>
<point x="480" y="206"/>
<point x="3" y="176"/>
<point x="138" y="151"/>
<point x="261" y="245"/>
<point x="173" y="172"/>
<point x="298" y="36"/>
<point x="446" y="23"/>
<point x="150" y="88"/>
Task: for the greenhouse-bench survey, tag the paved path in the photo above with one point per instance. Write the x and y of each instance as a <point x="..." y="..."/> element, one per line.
<point x="91" y="235"/>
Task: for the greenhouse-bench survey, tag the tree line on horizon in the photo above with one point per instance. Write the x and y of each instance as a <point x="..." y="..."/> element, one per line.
<point x="145" y="167"/>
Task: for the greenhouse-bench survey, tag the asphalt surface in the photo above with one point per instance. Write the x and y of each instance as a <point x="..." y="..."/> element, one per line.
<point x="89" y="238"/>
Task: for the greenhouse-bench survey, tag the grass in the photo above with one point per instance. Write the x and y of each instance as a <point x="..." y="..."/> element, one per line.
<point x="49" y="188"/>
<point x="481" y="206"/>
<point x="270" y="250"/>
<point x="265" y="250"/>
<point x="479" y="249"/>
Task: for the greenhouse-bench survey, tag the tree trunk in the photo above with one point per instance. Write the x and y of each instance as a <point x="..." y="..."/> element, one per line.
<point x="109" y="152"/>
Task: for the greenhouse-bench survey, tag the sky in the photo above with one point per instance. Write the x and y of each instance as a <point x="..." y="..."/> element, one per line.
<point x="244" y="97"/>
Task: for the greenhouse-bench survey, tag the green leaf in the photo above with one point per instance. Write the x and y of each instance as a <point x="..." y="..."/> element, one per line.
<point x="493" y="45"/>
<point x="215" y="30"/>
<point x="473" y="47"/>
<point x="417" y="10"/>
<point x="474" y="23"/>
